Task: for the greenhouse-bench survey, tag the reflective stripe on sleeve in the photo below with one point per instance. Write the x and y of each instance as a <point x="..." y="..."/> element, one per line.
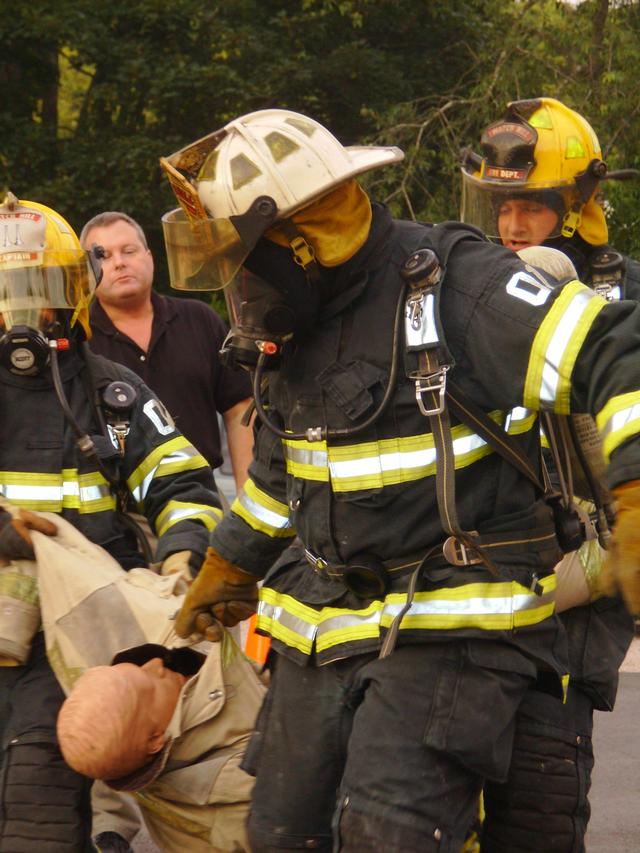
<point x="500" y="606"/>
<point x="262" y="512"/>
<point x="85" y="493"/>
<point x="172" y="457"/>
<point x="176" y="511"/>
<point x="556" y="347"/>
<point x="618" y="421"/>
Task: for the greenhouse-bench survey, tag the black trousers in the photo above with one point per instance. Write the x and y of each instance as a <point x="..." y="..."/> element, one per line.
<point x="369" y="755"/>
<point x="543" y="804"/>
<point x="44" y="805"/>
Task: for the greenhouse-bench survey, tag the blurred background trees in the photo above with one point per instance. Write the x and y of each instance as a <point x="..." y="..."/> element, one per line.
<point x="93" y="94"/>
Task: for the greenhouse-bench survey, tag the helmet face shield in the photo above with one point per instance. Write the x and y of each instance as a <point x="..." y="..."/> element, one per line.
<point x="486" y="204"/>
<point x="30" y="295"/>
<point x="203" y="254"/>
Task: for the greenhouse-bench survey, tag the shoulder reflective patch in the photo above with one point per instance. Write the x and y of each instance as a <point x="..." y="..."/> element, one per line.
<point x="530" y="289"/>
<point x="159" y="416"/>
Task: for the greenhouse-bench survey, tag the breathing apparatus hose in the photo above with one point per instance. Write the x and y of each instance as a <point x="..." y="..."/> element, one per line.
<point x="88" y="449"/>
<point x="320" y="433"/>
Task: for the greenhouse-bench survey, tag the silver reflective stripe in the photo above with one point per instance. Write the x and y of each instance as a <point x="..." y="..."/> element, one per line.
<point x="476" y="606"/>
<point x="558" y="344"/>
<point x="273" y="519"/>
<point x="518" y="413"/>
<point x="420" y="323"/>
<point x="291" y="623"/>
<point x="620" y="419"/>
<point x="140" y="492"/>
<point x="56" y="494"/>
<point x="175" y="515"/>
<point x="400" y="459"/>
<point x="33" y="493"/>
<point x="316" y="458"/>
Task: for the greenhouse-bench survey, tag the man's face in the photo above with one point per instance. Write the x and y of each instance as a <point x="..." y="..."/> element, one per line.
<point x="523" y="222"/>
<point x="158" y="690"/>
<point x="127" y="267"/>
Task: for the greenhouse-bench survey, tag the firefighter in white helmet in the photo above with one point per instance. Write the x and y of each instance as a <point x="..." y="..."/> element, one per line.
<point x="398" y="370"/>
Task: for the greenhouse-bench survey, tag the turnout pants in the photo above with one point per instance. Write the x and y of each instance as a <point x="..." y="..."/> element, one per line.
<point x="365" y="755"/>
<point x="44" y="805"/>
<point x="543" y="804"/>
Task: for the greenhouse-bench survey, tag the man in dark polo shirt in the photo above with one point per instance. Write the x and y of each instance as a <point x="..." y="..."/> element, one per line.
<point x="172" y="343"/>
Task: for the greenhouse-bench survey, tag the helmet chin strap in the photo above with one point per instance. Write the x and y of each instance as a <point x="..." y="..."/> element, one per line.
<point x="303" y="252"/>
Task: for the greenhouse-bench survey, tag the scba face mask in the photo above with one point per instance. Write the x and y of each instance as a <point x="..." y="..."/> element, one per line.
<point x="46" y="284"/>
<point x="271" y="302"/>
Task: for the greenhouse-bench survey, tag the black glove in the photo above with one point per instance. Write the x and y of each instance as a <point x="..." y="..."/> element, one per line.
<point x="15" y="539"/>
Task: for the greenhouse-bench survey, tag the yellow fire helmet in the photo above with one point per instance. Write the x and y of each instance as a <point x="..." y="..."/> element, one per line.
<point x="234" y="184"/>
<point x="543" y="150"/>
<point x="42" y="266"/>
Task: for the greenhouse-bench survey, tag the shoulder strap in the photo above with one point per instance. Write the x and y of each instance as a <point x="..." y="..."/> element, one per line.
<point x="472" y="415"/>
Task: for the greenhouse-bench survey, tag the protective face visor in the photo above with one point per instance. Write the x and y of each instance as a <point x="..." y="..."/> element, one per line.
<point x="33" y="290"/>
<point x="204" y="252"/>
<point x="484" y="200"/>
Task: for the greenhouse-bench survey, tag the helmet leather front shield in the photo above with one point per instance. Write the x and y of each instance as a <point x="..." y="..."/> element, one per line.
<point x="482" y="200"/>
<point x="203" y="254"/>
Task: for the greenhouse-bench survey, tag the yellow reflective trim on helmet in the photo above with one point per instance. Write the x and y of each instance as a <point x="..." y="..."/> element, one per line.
<point x="574" y="148"/>
<point x="618" y="420"/>
<point x="262" y="512"/>
<point x="556" y="346"/>
<point x="541" y="119"/>
<point x="176" y="511"/>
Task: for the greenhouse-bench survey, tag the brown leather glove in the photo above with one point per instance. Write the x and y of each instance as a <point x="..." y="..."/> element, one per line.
<point x="621" y="571"/>
<point x="15" y="539"/>
<point x="222" y="591"/>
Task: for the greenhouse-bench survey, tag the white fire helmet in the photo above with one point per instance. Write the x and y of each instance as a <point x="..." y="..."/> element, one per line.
<point x="235" y="183"/>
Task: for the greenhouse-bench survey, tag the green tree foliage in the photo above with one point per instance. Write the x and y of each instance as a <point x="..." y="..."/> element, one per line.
<point x="94" y="94"/>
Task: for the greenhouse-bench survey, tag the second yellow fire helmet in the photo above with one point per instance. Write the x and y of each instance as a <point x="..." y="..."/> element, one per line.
<point x="541" y="149"/>
<point x="43" y="268"/>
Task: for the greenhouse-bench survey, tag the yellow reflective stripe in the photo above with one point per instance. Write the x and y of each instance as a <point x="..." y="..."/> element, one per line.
<point x="520" y="420"/>
<point x="172" y="457"/>
<point x="500" y="606"/>
<point x="262" y="512"/>
<point x="287" y="619"/>
<point x="85" y="493"/>
<point x="176" y="511"/>
<point x="19" y="586"/>
<point x="307" y="459"/>
<point x="374" y="464"/>
<point x="556" y="347"/>
<point x="618" y="421"/>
